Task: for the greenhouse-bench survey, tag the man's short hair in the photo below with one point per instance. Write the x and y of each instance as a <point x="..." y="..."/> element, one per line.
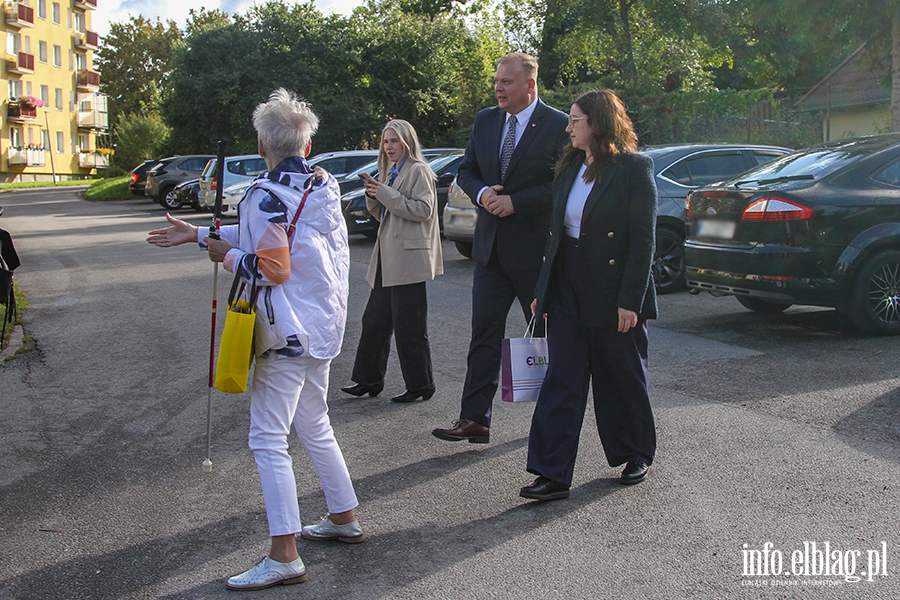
<point x="528" y="63"/>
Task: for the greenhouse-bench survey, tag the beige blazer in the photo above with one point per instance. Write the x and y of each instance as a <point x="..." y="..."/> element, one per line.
<point x="409" y="239"/>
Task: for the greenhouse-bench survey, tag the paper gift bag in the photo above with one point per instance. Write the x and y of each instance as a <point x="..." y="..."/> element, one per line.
<point x="236" y="349"/>
<point x="523" y="365"/>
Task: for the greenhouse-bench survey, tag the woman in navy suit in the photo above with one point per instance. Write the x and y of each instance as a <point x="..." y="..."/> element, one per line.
<point x="597" y="292"/>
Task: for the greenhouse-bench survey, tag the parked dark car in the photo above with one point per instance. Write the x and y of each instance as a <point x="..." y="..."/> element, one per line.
<point x="353" y="203"/>
<point x="139" y="177"/>
<point x="679" y="169"/>
<point x="819" y="226"/>
<point x="169" y="172"/>
<point x="187" y="194"/>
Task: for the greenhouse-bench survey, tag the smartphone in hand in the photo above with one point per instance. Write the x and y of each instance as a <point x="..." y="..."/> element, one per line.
<point x="366" y="177"/>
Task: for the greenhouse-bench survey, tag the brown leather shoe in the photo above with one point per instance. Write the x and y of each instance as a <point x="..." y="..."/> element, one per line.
<point x="464" y="429"/>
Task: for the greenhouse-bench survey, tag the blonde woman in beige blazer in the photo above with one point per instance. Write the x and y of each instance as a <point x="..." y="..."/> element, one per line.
<point x="407" y="254"/>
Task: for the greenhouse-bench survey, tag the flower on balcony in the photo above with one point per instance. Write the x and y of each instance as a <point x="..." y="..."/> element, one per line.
<point x="31" y="101"/>
<point x="100" y="151"/>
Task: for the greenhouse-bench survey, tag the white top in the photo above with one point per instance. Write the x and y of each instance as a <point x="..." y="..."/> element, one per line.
<point x="575" y="204"/>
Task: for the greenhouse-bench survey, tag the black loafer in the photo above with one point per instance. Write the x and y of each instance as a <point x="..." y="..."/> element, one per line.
<point x="361" y="389"/>
<point x="634" y="472"/>
<point x="423" y="394"/>
<point x="545" y="489"/>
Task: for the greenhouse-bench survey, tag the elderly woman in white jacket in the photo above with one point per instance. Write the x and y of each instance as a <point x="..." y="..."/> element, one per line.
<point x="301" y="312"/>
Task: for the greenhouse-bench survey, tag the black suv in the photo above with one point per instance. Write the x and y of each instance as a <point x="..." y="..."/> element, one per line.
<point x="819" y="226"/>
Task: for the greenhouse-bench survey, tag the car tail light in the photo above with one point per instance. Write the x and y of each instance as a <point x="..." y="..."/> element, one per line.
<point x="214" y="184"/>
<point x="134" y="177"/>
<point x="776" y="209"/>
<point x="687" y="207"/>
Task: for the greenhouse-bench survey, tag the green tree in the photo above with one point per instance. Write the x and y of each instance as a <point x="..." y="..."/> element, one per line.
<point x="136" y="60"/>
<point x="139" y="137"/>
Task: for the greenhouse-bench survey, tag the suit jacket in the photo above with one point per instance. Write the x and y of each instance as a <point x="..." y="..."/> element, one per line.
<point x="618" y="231"/>
<point x="409" y="239"/>
<point x="520" y="237"/>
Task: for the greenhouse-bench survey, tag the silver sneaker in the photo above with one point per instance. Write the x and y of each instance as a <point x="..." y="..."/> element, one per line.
<point x="326" y="530"/>
<point x="268" y="572"/>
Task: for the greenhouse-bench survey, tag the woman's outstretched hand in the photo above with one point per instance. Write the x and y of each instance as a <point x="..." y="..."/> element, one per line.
<point x="180" y="232"/>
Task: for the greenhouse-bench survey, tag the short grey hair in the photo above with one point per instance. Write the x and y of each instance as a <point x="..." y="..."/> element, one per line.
<point x="285" y="124"/>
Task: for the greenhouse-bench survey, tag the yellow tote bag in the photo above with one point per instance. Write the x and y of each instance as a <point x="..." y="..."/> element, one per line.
<point x="236" y="345"/>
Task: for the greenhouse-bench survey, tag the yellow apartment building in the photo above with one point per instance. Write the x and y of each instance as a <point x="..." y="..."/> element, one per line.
<point x="53" y="113"/>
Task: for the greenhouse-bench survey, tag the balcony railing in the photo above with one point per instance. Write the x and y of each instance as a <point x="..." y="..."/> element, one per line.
<point x="90" y="160"/>
<point x="93" y="119"/>
<point x="21" y="63"/>
<point x="19" y="15"/>
<point x="25" y="157"/>
<point x="21" y="112"/>
<point x="87" y="80"/>
<point x="88" y="40"/>
<point x="86" y="4"/>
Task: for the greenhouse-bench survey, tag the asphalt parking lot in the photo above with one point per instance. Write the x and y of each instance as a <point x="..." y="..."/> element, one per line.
<point x="779" y="439"/>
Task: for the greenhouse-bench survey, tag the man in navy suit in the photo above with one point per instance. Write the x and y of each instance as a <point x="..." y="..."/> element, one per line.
<point x="507" y="172"/>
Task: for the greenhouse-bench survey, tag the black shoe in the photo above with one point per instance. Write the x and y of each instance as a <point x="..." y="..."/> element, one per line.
<point x="361" y="389"/>
<point x="634" y="472"/>
<point x="423" y="394"/>
<point x="545" y="489"/>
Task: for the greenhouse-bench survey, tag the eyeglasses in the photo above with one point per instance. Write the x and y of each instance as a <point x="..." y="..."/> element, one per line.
<point x="573" y="120"/>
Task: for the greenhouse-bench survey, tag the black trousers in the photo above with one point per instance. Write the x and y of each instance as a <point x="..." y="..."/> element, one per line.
<point x="400" y="310"/>
<point x="616" y="364"/>
<point x="493" y="292"/>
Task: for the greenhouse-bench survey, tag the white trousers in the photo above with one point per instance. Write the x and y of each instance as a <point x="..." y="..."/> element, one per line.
<point x="289" y="391"/>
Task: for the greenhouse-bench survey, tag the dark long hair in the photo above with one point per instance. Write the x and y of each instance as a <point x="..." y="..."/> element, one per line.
<point x="611" y="133"/>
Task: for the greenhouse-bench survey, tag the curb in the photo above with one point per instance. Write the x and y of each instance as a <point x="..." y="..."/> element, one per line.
<point x="15" y="342"/>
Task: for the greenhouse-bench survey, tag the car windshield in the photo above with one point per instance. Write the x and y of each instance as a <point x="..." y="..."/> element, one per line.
<point x="813" y="163"/>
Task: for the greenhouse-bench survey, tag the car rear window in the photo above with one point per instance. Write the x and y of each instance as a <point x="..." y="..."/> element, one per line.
<point x="813" y="163"/>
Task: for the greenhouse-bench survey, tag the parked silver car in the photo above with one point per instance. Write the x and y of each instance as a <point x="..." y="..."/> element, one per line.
<point x="237" y="169"/>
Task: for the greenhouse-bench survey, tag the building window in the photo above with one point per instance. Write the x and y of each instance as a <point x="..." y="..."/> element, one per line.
<point x="30" y="136"/>
<point x="69" y="16"/>
<point x="79" y="22"/>
<point x="74" y="144"/>
<point x="57" y="56"/>
<point x="42" y="52"/>
<point x="27" y="44"/>
<point x="28" y="88"/>
<point x="56" y="13"/>
<point x="60" y="142"/>
<point x="59" y="99"/>
<point x="42" y="9"/>
<point x="84" y="142"/>
<point x="15" y="88"/>
<point x="71" y="60"/>
<point x="71" y="101"/>
<point x="80" y="61"/>
<point x="15" y="137"/>
<point x="45" y="139"/>
<point x="45" y="95"/>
